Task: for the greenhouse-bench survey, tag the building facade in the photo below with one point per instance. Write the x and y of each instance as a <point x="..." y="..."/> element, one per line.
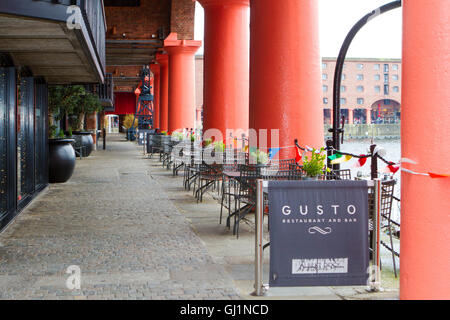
<point x="370" y="89"/>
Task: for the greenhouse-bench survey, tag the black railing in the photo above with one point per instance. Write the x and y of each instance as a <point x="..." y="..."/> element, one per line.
<point x="94" y="14"/>
<point x="106" y="93"/>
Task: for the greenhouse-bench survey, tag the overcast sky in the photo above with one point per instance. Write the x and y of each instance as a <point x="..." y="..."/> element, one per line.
<point x="380" y="38"/>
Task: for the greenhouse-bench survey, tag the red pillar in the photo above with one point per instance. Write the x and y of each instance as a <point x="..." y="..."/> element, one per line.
<point x="163" y="60"/>
<point x="156" y="75"/>
<point x="181" y="81"/>
<point x="369" y="116"/>
<point x="425" y="240"/>
<point x="350" y="116"/>
<point x="285" y="71"/>
<point x="226" y="65"/>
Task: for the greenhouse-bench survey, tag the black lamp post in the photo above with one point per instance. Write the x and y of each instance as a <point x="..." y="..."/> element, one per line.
<point x="338" y="122"/>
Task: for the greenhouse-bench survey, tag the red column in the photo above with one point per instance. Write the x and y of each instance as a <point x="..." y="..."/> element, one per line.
<point x="285" y="71"/>
<point x="350" y="116"/>
<point x="163" y="60"/>
<point x="425" y="240"/>
<point x="368" y="116"/>
<point x="156" y="75"/>
<point x="226" y="65"/>
<point x="181" y="81"/>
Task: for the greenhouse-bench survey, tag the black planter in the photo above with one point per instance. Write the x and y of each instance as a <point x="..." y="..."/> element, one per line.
<point x="61" y="159"/>
<point x="85" y="140"/>
<point x="131" y="134"/>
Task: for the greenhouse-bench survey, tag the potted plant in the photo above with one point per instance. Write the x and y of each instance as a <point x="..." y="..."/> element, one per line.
<point x="314" y="166"/>
<point x="72" y="103"/>
<point x="88" y="103"/>
<point x="259" y="157"/>
<point x="130" y="123"/>
<point x="61" y="156"/>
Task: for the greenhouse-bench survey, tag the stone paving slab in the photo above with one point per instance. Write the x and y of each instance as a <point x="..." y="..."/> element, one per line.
<point x="114" y="221"/>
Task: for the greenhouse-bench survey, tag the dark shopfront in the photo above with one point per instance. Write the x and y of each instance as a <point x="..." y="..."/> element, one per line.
<point x="23" y="141"/>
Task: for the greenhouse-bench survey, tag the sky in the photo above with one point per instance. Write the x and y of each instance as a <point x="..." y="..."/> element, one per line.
<point x="380" y="38"/>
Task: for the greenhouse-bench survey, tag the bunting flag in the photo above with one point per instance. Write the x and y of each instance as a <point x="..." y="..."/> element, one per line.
<point x="273" y="152"/>
<point x="298" y="156"/>
<point x="335" y="156"/>
<point x="341" y="159"/>
<point x="235" y="143"/>
<point x="439" y="175"/>
<point x="246" y="148"/>
<point x="392" y="168"/>
<point x="361" y="161"/>
<point x="429" y="174"/>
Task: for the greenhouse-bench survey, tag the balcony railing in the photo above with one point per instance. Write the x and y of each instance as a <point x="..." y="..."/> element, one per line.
<point x="94" y="15"/>
<point x="106" y="93"/>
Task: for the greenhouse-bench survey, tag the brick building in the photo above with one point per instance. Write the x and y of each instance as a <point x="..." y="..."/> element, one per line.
<point x="368" y="86"/>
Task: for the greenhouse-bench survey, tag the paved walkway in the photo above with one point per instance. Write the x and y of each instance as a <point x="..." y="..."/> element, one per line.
<point x="114" y="220"/>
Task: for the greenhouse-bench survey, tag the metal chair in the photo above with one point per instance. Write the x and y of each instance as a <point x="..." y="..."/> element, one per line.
<point x="344" y="174"/>
<point x="207" y="177"/>
<point x="387" y="224"/>
<point x="284" y="164"/>
<point x="387" y="196"/>
<point x="246" y="194"/>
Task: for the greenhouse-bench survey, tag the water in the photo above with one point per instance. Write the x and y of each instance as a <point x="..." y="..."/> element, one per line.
<point x="393" y="153"/>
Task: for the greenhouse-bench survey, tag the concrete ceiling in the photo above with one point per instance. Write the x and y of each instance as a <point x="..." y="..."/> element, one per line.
<point x="49" y="48"/>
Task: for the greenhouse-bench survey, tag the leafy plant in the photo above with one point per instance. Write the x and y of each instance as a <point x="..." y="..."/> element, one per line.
<point x="52" y="131"/>
<point x="259" y="156"/>
<point x="69" y="132"/>
<point x="128" y="121"/>
<point x="314" y="165"/>
<point x="219" y="146"/>
<point x="62" y="100"/>
<point x="207" y="142"/>
<point x="73" y="101"/>
<point x="177" y="136"/>
<point x="61" y="134"/>
<point x="89" y="103"/>
<point x="164" y="133"/>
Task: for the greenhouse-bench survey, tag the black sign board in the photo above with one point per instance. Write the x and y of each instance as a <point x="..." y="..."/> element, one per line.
<point x="142" y="136"/>
<point x="318" y="233"/>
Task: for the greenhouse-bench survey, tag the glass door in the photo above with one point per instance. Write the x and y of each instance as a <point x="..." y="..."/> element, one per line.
<point x="25" y="141"/>
<point x="41" y="145"/>
<point x="7" y="145"/>
<point x="3" y="144"/>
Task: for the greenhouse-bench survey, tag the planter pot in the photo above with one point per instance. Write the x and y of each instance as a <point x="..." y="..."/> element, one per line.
<point x="61" y="159"/>
<point x="131" y="134"/>
<point x="310" y="178"/>
<point x="85" y="140"/>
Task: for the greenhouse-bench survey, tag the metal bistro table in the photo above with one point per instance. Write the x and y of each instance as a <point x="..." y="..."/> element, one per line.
<point x="246" y="190"/>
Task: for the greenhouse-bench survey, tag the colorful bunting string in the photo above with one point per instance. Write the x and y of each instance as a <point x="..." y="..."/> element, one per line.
<point x="335" y="156"/>
<point x="361" y="161"/>
<point x="298" y="156"/>
<point x="342" y="159"/>
<point x="273" y="152"/>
